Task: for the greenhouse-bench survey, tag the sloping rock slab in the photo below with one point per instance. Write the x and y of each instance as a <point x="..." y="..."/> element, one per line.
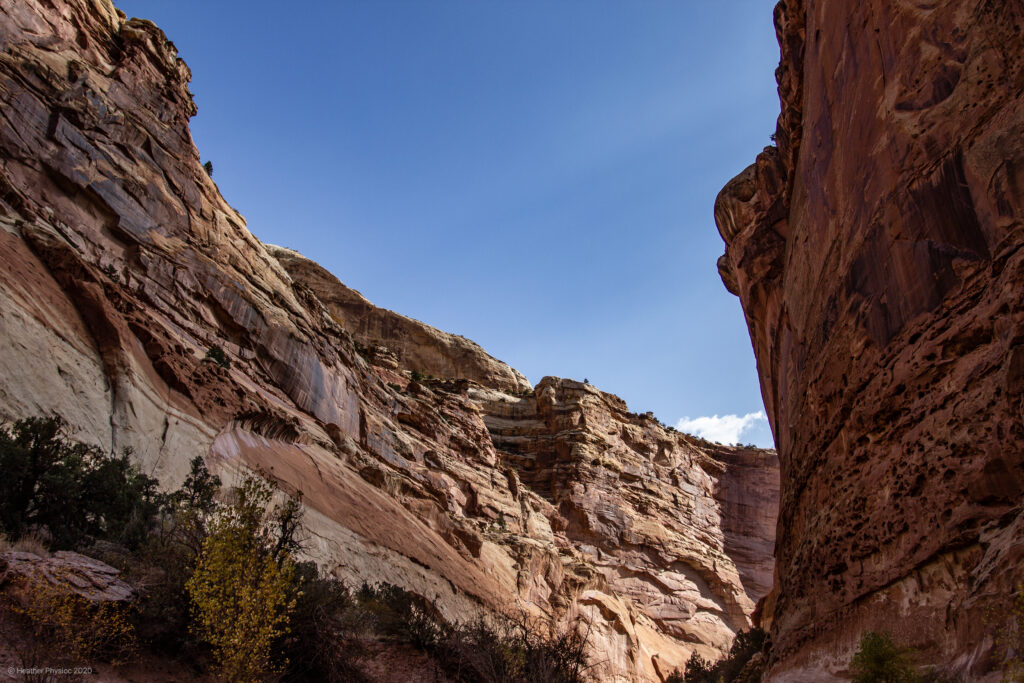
<point x="89" y="578"/>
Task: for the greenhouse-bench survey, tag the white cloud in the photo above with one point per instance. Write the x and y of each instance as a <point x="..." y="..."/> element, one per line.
<point x="724" y="429"/>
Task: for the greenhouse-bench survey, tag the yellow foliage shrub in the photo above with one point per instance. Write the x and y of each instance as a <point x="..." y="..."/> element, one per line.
<point x="242" y="595"/>
<point x="88" y="630"/>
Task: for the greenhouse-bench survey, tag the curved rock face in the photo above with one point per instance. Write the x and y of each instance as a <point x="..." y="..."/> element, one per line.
<point x="877" y="255"/>
<point x="123" y="267"/>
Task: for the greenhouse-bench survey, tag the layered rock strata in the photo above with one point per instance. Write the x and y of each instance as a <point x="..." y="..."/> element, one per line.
<point x="124" y="267"/>
<point x="877" y="254"/>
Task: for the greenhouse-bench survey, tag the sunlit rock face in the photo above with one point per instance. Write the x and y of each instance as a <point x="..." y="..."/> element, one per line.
<point x="877" y="254"/>
<point x="386" y="335"/>
<point x="123" y="266"/>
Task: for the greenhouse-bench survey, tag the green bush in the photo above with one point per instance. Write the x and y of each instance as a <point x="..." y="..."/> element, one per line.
<point x="744" y="647"/>
<point x="77" y="493"/>
<point x="208" y="167"/>
<point x="170" y="558"/>
<point x="879" y="660"/>
<point x="698" y="670"/>
<point x="217" y="355"/>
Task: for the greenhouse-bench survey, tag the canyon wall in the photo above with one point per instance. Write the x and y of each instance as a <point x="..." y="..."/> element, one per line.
<point x="422" y="461"/>
<point x="876" y="250"/>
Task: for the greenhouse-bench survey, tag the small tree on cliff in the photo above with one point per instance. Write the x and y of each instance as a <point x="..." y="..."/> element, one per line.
<point x="208" y="167"/>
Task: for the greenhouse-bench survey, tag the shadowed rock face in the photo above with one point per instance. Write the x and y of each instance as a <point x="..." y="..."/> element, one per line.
<point x="877" y="255"/>
<point x="123" y="266"/>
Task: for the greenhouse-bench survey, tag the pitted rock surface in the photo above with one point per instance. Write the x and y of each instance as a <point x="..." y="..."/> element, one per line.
<point x="877" y="253"/>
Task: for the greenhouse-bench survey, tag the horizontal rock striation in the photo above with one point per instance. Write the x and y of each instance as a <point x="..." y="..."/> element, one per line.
<point x="877" y="254"/>
<point x="124" y="268"/>
<point x="645" y="509"/>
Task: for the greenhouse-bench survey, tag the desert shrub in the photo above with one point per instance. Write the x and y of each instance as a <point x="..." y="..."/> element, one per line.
<point x="87" y="630"/>
<point x="744" y="647"/>
<point x="499" y="649"/>
<point x="35" y="657"/>
<point x="393" y="611"/>
<point x="170" y="557"/>
<point x="242" y="589"/>
<point x="217" y="355"/>
<point x="208" y="167"/>
<point x="75" y="492"/>
<point x="512" y="649"/>
<point x="319" y="644"/>
<point x="879" y="660"/>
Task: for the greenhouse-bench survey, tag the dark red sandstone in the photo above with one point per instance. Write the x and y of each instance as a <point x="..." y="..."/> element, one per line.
<point x="877" y="254"/>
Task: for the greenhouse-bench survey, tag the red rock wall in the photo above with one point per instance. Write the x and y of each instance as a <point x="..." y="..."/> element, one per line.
<point x="877" y="255"/>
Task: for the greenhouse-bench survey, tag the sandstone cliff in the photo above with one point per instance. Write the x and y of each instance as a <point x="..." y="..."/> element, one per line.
<point x="406" y="343"/>
<point x="123" y="266"/>
<point x="877" y="255"/>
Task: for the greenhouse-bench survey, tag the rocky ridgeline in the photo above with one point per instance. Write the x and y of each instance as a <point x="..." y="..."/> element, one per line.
<point x="423" y="461"/>
<point x="877" y="254"/>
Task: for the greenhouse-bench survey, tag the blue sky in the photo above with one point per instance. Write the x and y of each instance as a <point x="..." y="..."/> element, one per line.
<point x="538" y="176"/>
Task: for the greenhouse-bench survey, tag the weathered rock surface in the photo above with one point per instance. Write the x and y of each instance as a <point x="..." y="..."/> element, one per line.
<point x="66" y="571"/>
<point x="642" y="507"/>
<point x="123" y="266"/>
<point x="877" y="255"/>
